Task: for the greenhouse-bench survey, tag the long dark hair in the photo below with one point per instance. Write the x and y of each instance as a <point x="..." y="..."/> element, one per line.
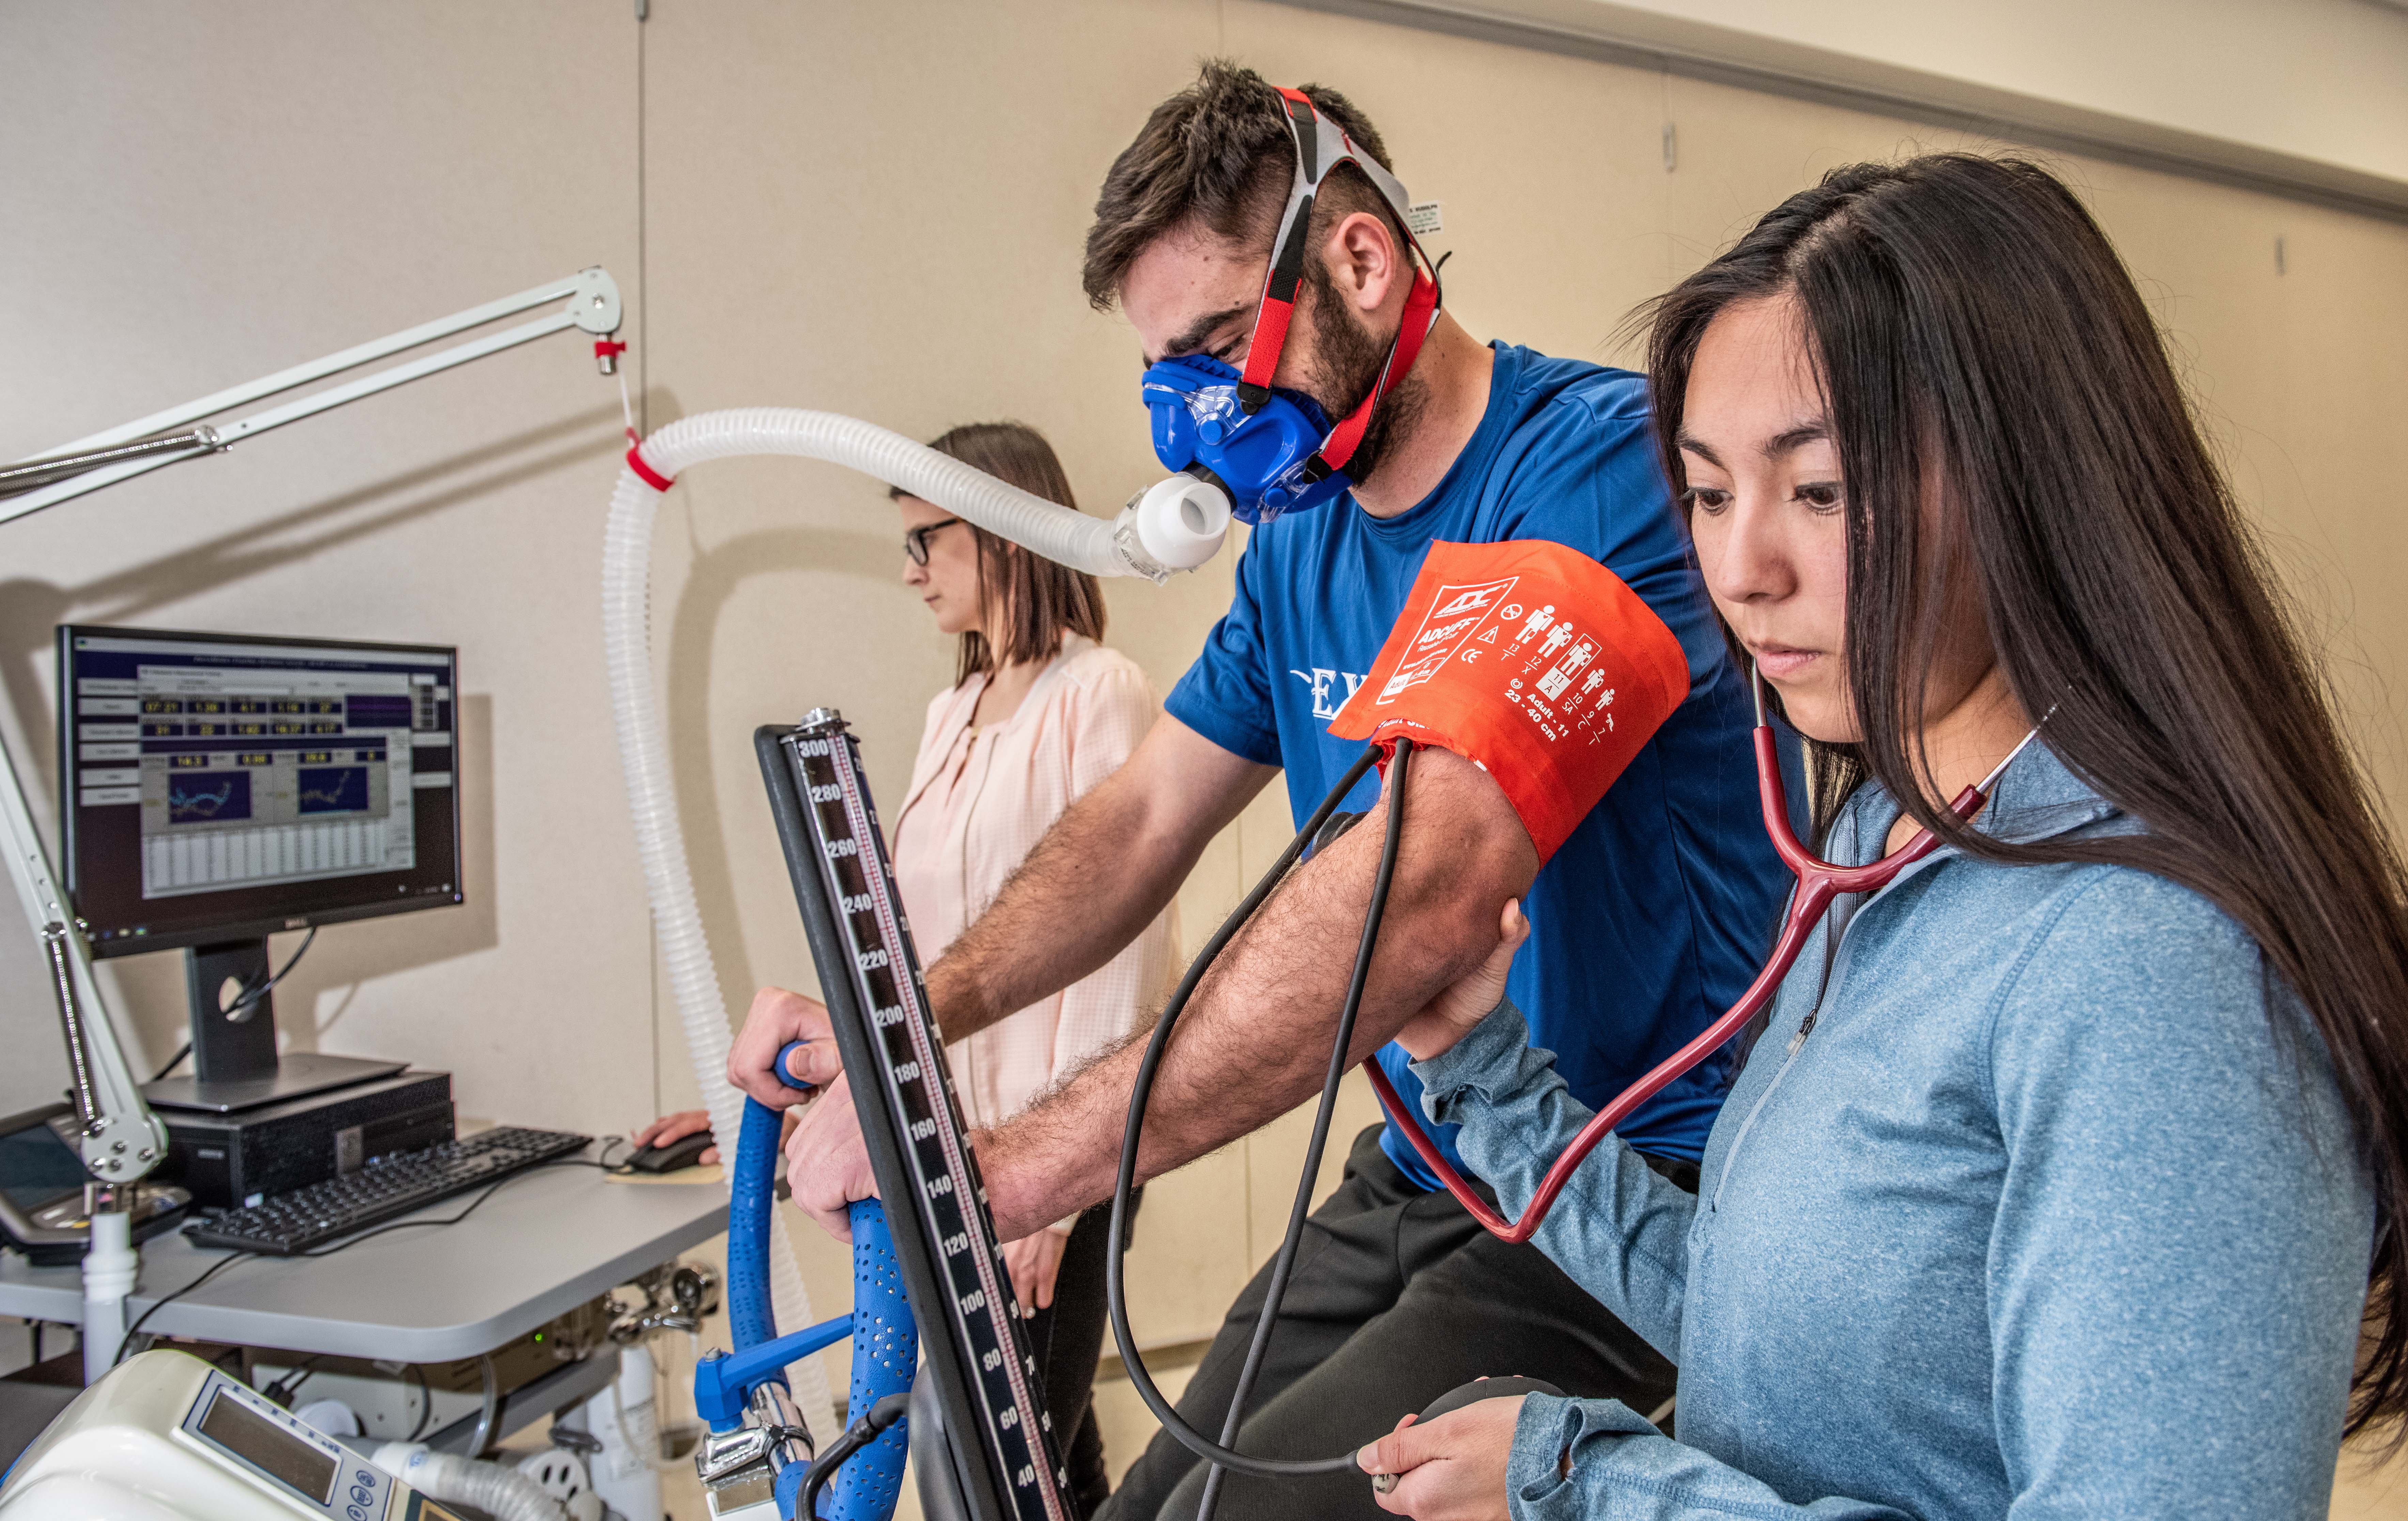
<point x="1040" y="599"/>
<point x="1973" y="328"/>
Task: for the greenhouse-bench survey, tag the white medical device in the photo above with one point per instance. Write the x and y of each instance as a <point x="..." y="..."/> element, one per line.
<point x="166" y="1437"/>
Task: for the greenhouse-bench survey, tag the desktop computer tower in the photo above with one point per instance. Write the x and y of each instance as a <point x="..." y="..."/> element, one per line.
<point x="233" y="1160"/>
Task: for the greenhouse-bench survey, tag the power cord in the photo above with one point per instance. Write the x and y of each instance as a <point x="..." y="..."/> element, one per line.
<point x="1115" y="1288"/>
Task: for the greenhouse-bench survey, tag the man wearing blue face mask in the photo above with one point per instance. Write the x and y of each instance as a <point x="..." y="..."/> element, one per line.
<point x="1302" y="364"/>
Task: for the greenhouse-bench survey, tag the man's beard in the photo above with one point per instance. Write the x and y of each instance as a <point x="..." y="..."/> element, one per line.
<point x="1346" y="366"/>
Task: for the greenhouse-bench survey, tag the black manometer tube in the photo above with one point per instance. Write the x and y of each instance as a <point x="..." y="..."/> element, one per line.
<point x="1340" y="1048"/>
<point x="1124" y="1183"/>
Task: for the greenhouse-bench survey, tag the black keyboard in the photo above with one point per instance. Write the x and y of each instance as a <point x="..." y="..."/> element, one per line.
<point x="386" y="1188"/>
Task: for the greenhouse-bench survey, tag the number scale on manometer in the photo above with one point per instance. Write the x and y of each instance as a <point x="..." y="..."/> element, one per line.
<point x="886" y="971"/>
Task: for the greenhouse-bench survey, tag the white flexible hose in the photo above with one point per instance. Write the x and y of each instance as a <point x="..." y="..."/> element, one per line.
<point x="1178" y="536"/>
<point x="677" y="920"/>
<point x="502" y="1493"/>
<point x="1050" y="529"/>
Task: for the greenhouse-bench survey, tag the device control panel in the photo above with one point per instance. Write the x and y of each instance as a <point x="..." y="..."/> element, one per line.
<point x="241" y="1428"/>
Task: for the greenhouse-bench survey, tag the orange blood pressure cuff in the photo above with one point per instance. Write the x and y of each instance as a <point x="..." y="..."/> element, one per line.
<point x="1532" y="661"/>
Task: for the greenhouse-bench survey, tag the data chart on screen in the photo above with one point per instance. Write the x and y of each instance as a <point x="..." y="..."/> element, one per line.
<point x="202" y="766"/>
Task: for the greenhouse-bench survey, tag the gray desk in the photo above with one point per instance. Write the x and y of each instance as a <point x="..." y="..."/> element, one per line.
<point x="547" y="1240"/>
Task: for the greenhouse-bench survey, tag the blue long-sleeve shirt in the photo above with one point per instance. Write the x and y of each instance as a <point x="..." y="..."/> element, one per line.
<point x="2055" y="1211"/>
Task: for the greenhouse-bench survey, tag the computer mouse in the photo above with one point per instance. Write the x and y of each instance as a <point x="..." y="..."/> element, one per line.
<point x="681" y="1153"/>
<point x="1511" y="1387"/>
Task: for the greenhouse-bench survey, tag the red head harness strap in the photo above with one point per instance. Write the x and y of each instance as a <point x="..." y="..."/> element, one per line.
<point x="1320" y="147"/>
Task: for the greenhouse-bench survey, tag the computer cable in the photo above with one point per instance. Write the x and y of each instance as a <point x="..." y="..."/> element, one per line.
<point x="251" y="995"/>
<point x="425" y="1402"/>
<point x="1115" y="1289"/>
<point x="860" y="1434"/>
<point x="490" y="1189"/>
<point x="244" y="1000"/>
<point x="283" y="1390"/>
<point x="125" y="1348"/>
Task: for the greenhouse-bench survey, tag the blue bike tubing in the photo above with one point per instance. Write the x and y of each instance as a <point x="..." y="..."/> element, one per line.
<point x="750" y="1318"/>
<point x="885" y="1352"/>
<point x="885" y="1340"/>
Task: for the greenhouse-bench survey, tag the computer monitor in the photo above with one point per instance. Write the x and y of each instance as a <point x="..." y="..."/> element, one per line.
<point x="216" y="788"/>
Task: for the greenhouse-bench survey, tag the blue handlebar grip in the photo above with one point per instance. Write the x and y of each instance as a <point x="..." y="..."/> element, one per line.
<point x="885" y="1352"/>
<point x="751" y="1319"/>
<point x="784" y="1073"/>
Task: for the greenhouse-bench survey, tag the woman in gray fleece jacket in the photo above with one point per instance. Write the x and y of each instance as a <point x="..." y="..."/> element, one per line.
<point x="2056" y="1184"/>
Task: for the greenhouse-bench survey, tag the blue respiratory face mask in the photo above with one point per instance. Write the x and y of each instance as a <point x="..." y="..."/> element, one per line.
<point x="1260" y="460"/>
<point x="1228" y="433"/>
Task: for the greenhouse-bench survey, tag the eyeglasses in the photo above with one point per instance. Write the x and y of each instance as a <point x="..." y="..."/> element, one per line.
<point x="915" y="543"/>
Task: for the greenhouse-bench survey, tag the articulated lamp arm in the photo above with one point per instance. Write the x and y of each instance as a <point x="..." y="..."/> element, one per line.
<point x="590" y="300"/>
<point x="120" y="1139"/>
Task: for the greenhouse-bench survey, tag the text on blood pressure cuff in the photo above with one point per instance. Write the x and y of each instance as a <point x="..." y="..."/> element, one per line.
<point x="1532" y="661"/>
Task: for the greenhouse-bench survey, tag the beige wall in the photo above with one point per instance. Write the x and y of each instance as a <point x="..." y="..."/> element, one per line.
<point x="875" y="210"/>
<point x="2317" y="82"/>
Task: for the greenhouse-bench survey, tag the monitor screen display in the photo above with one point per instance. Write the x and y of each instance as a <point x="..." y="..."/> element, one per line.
<point x="281" y="1455"/>
<point x="38" y="1165"/>
<point x="221" y="786"/>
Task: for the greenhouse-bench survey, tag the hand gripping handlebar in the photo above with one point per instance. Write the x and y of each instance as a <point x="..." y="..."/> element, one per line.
<point x="866" y="1464"/>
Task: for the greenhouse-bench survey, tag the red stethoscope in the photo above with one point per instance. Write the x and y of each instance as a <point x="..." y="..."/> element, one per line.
<point x="1818" y="883"/>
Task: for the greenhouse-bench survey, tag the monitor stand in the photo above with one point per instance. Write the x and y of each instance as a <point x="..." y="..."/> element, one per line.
<point x="235" y="1063"/>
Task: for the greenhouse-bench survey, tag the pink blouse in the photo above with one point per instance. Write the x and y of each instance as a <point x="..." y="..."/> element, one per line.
<point x="979" y="801"/>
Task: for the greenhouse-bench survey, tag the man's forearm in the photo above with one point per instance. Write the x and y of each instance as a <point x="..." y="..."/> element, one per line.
<point x="1254" y="1041"/>
<point x="1077" y="899"/>
<point x="1108" y="866"/>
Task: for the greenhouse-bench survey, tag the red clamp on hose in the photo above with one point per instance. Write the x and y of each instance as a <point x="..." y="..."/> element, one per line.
<point x="609" y="348"/>
<point x="650" y="477"/>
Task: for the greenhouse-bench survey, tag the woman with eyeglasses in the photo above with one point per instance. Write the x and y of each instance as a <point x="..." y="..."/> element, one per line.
<point x="1040" y="712"/>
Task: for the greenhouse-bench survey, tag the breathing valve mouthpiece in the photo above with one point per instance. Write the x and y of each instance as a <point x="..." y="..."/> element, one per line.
<point x="1181" y="520"/>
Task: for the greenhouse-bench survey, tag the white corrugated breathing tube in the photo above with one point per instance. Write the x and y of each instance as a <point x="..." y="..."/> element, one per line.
<point x="502" y="1493"/>
<point x="1177" y="525"/>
